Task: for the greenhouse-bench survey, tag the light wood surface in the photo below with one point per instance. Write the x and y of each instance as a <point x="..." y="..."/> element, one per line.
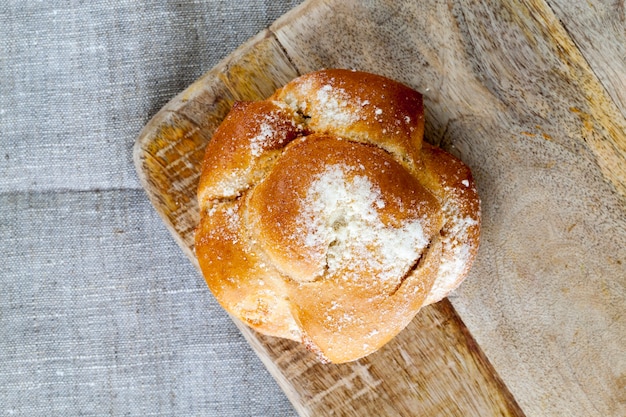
<point x="539" y="326"/>
<point x="598" y="29"/>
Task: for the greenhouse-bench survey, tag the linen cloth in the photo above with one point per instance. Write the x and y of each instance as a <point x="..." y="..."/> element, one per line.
<point x="101" y="314"/>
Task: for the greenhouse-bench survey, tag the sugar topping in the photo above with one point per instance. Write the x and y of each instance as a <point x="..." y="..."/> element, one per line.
<point x="340" y="214"/>
<point x="232" y="216"/>
<point x="333" y="102"/>
<point x="232" y="184"/>
<point x="259" y="142"/>
<point x="457" y="231"/>
<point x="268" y="134"/>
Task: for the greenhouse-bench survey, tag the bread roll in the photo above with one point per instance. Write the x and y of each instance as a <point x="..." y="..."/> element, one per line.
<point x="327" y="220"/>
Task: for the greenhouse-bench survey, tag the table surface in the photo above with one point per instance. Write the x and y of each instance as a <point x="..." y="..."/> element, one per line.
<point x="100" y="311"/>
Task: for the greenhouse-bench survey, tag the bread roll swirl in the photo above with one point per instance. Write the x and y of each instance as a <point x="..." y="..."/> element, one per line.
<point x="327" y="220"/>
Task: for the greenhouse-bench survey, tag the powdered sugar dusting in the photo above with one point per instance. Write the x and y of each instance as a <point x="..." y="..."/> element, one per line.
<point x="268" y="135"/>
<point x="340" y="214"/>
<point x="232" y="216"/>
<point x="334" y="106"/>
<point x="259" y="142"/>
<point x="455" y="246"/>
<point x="232" y="184"/>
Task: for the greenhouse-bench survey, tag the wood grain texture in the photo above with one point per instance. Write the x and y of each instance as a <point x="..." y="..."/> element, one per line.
<point x="508" y="90"/>
<point x="433" y="368"/>
<point x="598" y="28"/>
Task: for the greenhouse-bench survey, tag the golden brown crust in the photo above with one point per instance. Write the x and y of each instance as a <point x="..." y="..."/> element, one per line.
<point x="279" y="202"/>
<point x="361" y="107"/>
<point x="461" y="230"/>
<point x="237" y="155"/>
<point x="325" y="219"/>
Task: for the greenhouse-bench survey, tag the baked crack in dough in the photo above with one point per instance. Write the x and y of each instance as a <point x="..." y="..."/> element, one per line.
<point x="325" y="217"/>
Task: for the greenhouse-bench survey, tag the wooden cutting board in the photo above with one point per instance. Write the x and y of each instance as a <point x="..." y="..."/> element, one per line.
<point x="532" y="96"/>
